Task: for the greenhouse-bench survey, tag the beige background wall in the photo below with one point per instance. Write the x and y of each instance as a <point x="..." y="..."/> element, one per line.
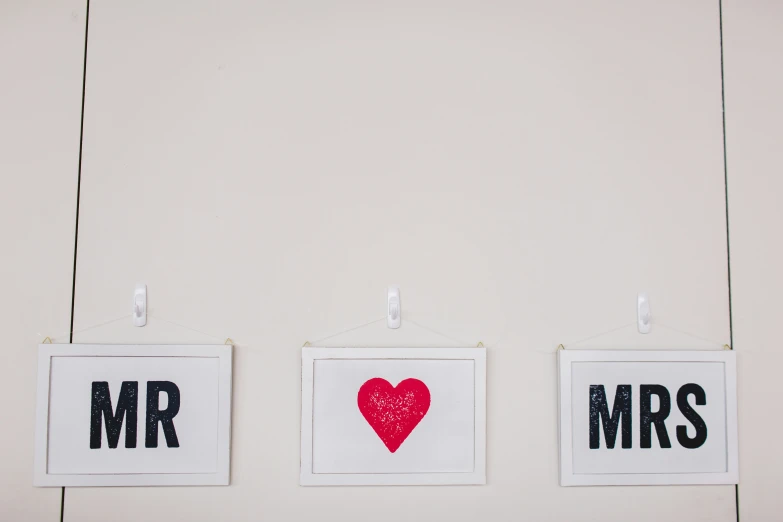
<point x="268" y="168"/>
<point x="41" y="58"/>
<point x="753" y="40"/>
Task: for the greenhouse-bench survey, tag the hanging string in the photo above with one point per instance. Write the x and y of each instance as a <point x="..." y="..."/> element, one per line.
<point x="438" y="333"/>
<point x="411" y="321"/>
<point x="623" y="327"/>
<point x="322" y="339"/>
<point x="563" y="346"/>
<point x="683" y="332"/>
<point x="155" y="317"/>
<point x="150" y="315"/>
<point x="82" y="330"/>
<point x="186" y="327"/>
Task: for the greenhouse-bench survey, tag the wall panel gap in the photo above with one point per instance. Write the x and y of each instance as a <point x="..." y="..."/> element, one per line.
<point x="78" y="194"/>
<point x="726" y="194"/>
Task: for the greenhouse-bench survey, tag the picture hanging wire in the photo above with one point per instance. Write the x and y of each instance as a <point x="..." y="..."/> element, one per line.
<point x="562" y="346"/>
<point x="415" y="323"/>
<point x="126" y="316"/>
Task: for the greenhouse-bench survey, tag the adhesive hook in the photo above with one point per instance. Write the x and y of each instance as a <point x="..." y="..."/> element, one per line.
<point x="140" y="305"/>
<point x="643" y="313"/>
<point x="393" y="307"/>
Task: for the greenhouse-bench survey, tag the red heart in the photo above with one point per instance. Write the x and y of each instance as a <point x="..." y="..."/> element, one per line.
<point x="393" y="412"/>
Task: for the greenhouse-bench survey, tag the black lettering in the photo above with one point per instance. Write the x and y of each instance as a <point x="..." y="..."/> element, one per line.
<point x="154" y="415"/>
<point x="620" y="411"/>
<point x="692" y="416"/>
<point x="647" y="418"/>
<point x="100" y="405"/>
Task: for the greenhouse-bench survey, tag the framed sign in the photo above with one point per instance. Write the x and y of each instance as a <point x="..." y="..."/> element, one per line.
<point x="393" y="416"/>
<point x="114" y="415"/>
<point x="647" y="417"/>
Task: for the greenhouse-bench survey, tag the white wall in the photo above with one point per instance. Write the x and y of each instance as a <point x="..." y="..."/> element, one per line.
<point x="753" y="43"/>
<point x="41" y="57"/>
<point x="522" y="171"/>
<point x="268" y="168"/>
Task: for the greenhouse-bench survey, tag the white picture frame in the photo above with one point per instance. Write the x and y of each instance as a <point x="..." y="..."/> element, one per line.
<point x="476" y="357"/>
<point x="568" y="477"/>
<point x="172" y="353"/>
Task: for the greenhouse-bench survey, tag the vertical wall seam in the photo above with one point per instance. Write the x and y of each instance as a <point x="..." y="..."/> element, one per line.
<point x="726" y="194"/>
<point x="78" y="196"/>
<point x="725" y="171"/>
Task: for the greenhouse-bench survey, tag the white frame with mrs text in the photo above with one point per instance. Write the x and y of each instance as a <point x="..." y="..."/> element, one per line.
<point x="477" y="476"/>
<point x="567" y="475"/>
<point x="219" y="478"/>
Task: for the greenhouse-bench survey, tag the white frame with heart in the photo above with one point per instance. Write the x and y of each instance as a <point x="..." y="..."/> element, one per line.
<point x="477" y="476"/>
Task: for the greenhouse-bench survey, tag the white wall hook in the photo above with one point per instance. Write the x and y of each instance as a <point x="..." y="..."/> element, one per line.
<point x="393" y="307"/>
<point x="643" y="313"/>
<point x="140" y="305"/>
